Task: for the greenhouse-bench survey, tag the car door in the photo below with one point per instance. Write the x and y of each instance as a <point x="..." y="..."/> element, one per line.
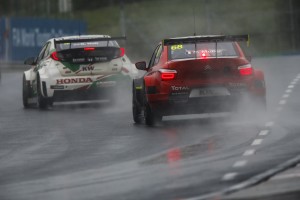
<point x="149" y="78"/>
<point x="39" y="64"/>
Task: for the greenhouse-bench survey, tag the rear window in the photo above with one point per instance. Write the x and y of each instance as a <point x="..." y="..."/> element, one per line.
<point x="202" y="50"/>
<point x="79" y="45"/>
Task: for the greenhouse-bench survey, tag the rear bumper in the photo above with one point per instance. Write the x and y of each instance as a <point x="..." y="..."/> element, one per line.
<point x="78" y="95"/>
<point x="168" y="105"/>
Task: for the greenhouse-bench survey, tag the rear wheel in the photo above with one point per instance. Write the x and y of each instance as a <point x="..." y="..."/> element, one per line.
<point x="136" y="112"/>
<point x="25" y="92"/>
<point x="151" y="118"/>
<point x="136" y="108"/>
<point x="41" y="101"/>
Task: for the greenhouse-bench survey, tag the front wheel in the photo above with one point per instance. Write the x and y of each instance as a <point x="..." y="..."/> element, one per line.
<point x="25" y="92"/>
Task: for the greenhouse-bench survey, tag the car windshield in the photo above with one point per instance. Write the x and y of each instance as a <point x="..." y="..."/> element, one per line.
<point x="202" y="50"/>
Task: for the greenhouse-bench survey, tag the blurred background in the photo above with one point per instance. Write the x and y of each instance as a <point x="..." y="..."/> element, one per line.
<point x="273" y="25"/>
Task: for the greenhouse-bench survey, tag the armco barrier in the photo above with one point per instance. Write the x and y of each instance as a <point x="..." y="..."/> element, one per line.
<point x="23" y="37"/>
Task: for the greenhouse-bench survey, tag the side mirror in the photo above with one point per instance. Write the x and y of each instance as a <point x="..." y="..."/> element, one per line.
<point x="30" y="61"/>
<point x="249" y="58"/>
<point x="141" y="65"/>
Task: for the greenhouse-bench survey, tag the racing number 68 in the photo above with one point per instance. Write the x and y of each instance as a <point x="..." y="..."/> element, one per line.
<point x="175" y="47"/>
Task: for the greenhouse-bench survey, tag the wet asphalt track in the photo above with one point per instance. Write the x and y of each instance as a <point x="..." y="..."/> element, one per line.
<point x="96" y="152"/>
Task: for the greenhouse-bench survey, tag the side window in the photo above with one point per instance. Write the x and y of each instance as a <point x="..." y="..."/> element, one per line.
<point x="41" y="55"/>
<point x="151" y="63"/>
<point x="158" y="54"/>
<point x="47" y="51"/>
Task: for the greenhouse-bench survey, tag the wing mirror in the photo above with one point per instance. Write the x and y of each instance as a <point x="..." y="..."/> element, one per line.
<point x="30" y="61"/>
<point x="141" y="65"/>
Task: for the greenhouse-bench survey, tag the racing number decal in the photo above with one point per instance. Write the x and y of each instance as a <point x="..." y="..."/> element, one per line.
<point x="175" y="47"/>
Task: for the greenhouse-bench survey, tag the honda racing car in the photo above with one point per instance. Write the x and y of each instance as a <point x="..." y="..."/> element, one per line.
<point x="197" y="74"/>
<point x="75" y="68"/>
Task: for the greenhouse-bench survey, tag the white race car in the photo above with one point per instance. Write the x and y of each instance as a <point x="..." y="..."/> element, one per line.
<point x="75" y="68"/>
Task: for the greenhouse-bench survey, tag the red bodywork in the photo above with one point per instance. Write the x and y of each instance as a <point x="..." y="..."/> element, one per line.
<point x="167" y="96"/>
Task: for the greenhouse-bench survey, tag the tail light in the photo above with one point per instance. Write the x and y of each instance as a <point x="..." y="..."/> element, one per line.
<point x="245" y="70"/>
<point x="54" y="56"/>
<point x="89" y="48"/>
<point x="122" y="52"/>
<point x="167" y="74"/>
<point x="203" y="54"/>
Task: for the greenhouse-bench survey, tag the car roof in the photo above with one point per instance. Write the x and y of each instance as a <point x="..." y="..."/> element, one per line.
<point x="196" y="36"/>
<point x="79" y="37"/>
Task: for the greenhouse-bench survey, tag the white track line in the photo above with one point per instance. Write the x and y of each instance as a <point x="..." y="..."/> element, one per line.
<point x="291" y="86"/>
<point x="263" y="132"/>
<point x="269" y="124"/>
<point x="229" y="176"/>
<point x="282" y="102"/>
<point x="285" y="96"/>
<point x="288" y="91"/>
<point x="257" y="142"/>
<point x="249" y="152"/>
<point x="240" y="163"/>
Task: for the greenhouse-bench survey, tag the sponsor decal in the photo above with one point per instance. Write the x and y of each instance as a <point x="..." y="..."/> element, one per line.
<point x="73" y="80"/>
<point x="75" y="60"/>
<point x="56" y="87"/>
<point x="237" y="84"/>
<point x="106" y="84"/>
<point x="180" y="88"/>
<point x="99" y="59"/>
<point x="88" y="68"/>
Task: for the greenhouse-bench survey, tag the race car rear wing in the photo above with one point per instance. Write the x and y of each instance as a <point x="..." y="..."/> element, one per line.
<point x="214" y="38"/>
<point x="92" y="39"/>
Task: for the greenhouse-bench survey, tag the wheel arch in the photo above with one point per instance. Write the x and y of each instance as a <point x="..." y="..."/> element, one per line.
<point x="137" y="90"/>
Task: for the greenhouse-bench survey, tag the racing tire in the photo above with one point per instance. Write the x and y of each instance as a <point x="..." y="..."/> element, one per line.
<point x="136" y="107"/>
<point x="50" y="102"/>
<point x="151" y="118"/>
<point x="25" y="93"/>
<point x="136" y="112"/>
<point x="42" y="102"/>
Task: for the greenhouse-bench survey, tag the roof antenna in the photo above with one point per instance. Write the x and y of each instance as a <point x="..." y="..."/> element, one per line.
<point x="79" y="29"/>
<point x="195" y="33"/>
<point x="194" y="21"/>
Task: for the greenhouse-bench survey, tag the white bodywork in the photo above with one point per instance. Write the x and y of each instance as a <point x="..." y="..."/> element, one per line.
<point x="58" y="76"/>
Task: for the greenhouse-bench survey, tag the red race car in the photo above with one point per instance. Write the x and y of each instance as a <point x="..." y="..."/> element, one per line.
<point x="197" y="74"/>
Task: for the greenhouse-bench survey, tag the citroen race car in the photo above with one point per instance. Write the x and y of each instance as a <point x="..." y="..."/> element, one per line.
<point x="75" y="68"/>
<point x="197" y="74"/>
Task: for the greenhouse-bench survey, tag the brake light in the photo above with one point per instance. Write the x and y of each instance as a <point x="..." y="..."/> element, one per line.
<point x="54" y="56"/>
<point x="245" y="70"/>
<point x="122" y="51"/>
<point x="203" y="54"/>
<point x="167" y="74"/>
<point x="89" y="48"/>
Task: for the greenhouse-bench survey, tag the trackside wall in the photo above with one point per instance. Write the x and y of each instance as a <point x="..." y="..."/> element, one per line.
<point x="23" y="37"/>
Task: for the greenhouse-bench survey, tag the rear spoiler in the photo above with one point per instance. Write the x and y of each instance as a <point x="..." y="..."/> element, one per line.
<point x="92" y="39"/>
<point x="215" y="38"/>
